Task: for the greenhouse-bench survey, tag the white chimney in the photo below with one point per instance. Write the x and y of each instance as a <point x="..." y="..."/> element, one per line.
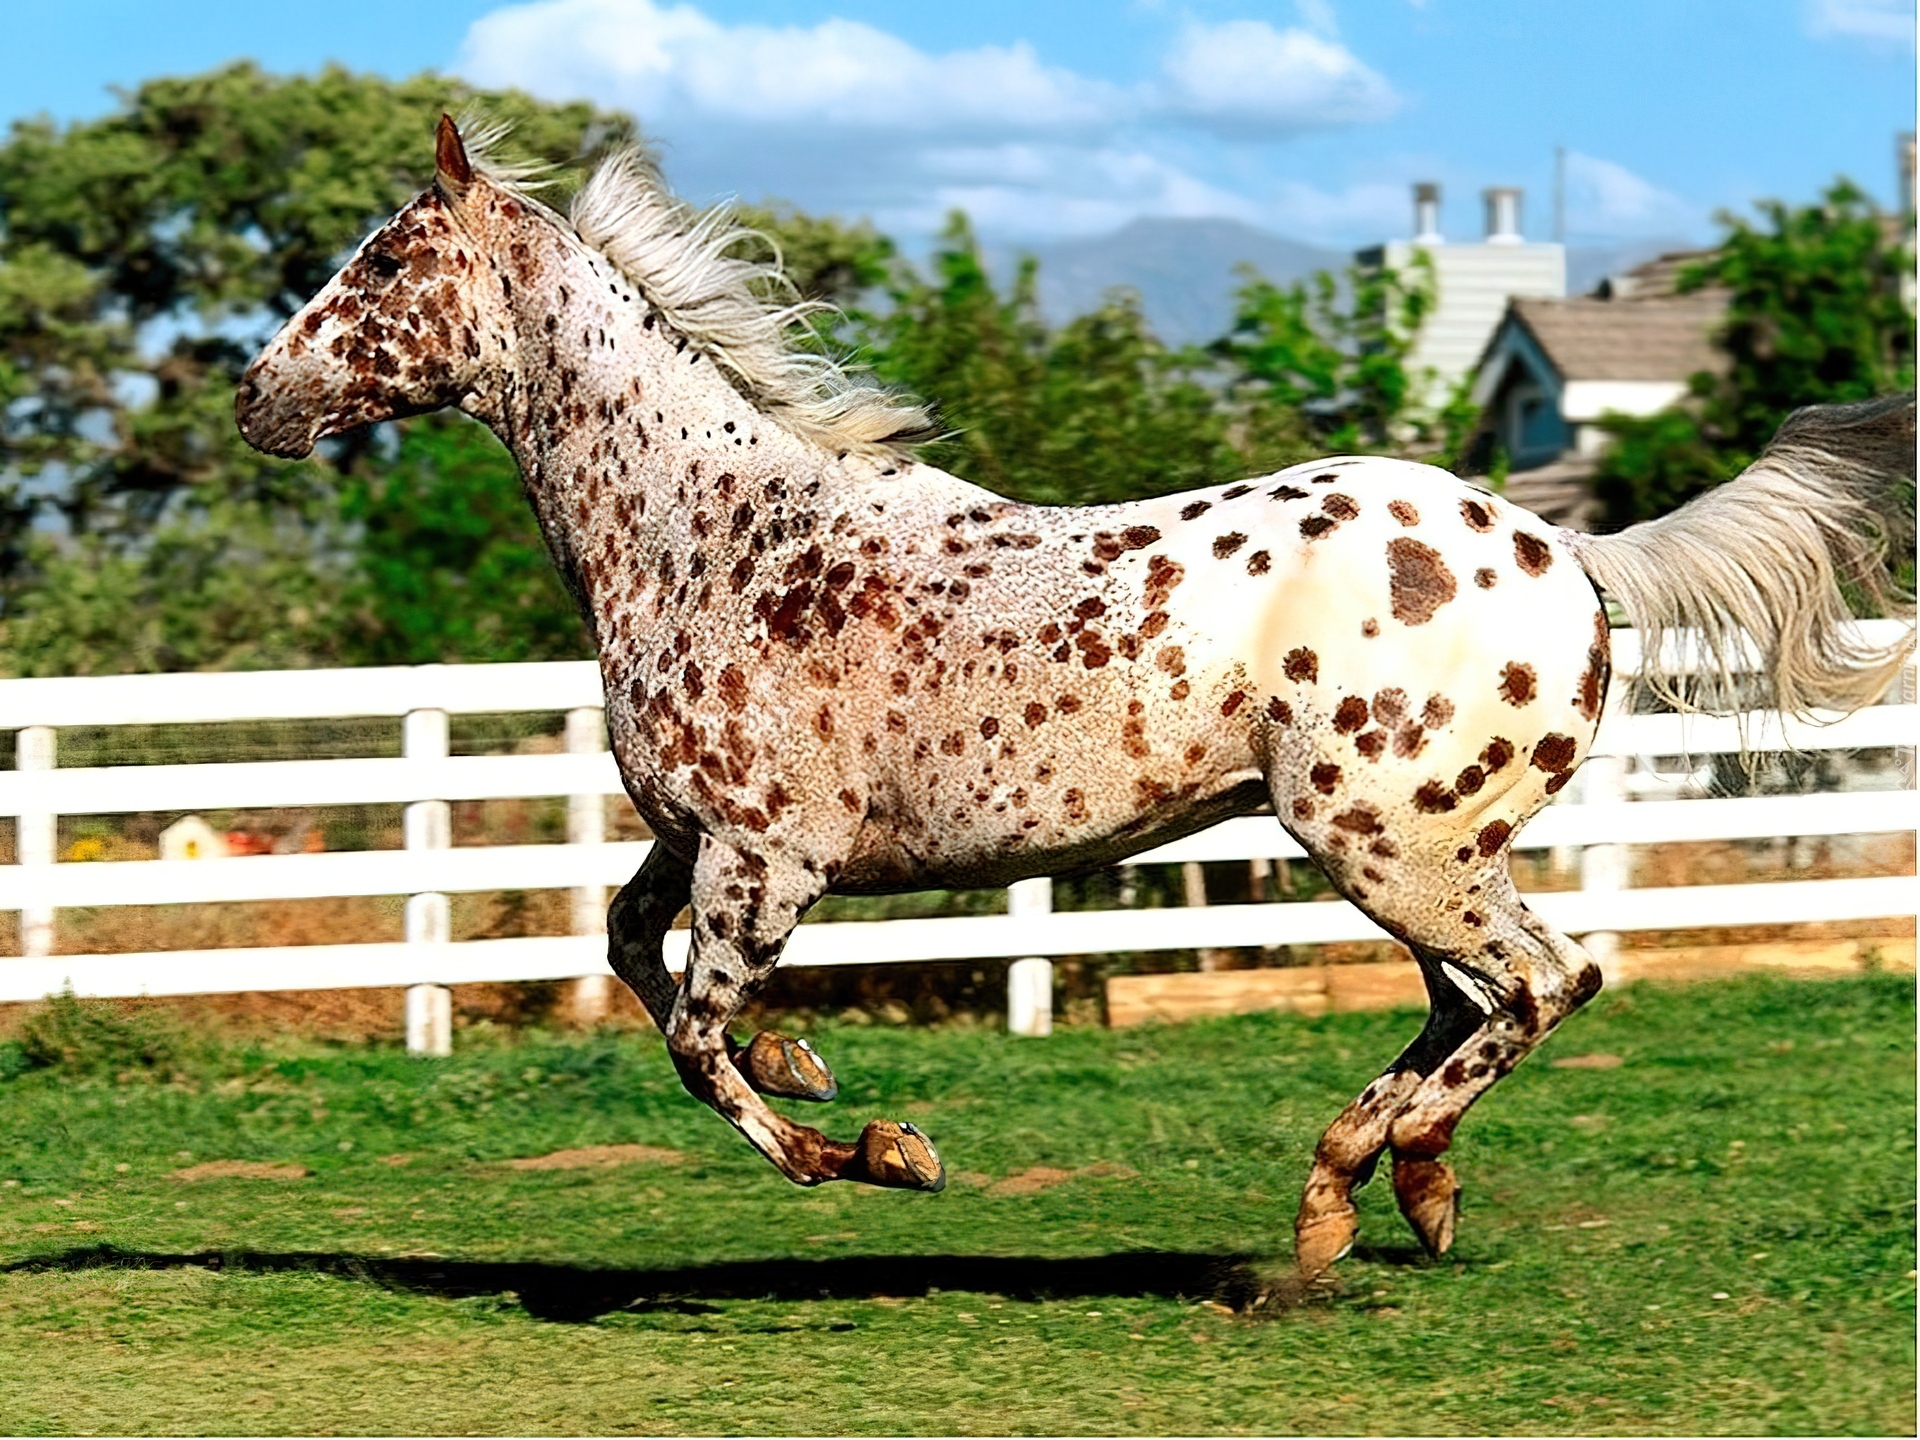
<point x="1503" y="215"/>
<point x="1426" y="214"/>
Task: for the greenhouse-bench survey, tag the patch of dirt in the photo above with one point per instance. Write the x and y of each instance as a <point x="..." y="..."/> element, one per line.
<point x="1036" y="1178"/>
<point x="598" y="1157"/>
<point x="1588" y="1062"/>
<point x="243" y="1170"/>
<point x="1031" y="1181"/>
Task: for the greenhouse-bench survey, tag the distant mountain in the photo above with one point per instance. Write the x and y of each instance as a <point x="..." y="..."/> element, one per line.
<point x="1184" y="270"/>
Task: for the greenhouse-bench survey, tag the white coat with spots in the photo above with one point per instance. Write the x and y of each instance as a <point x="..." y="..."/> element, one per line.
<point x="830" y="668"/>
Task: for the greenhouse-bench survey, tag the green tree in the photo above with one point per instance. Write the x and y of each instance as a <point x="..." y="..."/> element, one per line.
<point x="1323" y="363"/>
<point x="1815" y="315"/>
<point x="143" y="257"/>
<point x="1095" y="411"/>
<point x="448" y="561"/>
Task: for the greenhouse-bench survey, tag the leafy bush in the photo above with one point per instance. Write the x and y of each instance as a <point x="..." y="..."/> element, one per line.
<point x="98" y="1040"/>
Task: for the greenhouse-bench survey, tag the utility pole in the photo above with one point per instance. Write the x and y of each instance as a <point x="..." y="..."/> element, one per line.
<point x="1560" y="194"/>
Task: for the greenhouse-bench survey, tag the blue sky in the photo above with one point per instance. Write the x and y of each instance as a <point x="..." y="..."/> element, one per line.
<point x="1308" y="118"/>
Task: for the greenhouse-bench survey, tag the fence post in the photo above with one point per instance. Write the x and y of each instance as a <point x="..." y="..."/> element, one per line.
<point x="429" y="826"/>
<point x="1030" y="981"/>
<point x="1604" y="867"/>
<point x="37" y="839"/>
<point x="587" y="825"/>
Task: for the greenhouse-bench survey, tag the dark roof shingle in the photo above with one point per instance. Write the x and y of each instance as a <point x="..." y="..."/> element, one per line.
<point x="1665" y="337"/>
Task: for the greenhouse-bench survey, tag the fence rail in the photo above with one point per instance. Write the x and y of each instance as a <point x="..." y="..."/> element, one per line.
<point x="1598" y="816"/>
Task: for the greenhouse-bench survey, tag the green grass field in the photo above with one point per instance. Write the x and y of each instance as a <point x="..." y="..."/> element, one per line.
<point x="1715" y="1236"/>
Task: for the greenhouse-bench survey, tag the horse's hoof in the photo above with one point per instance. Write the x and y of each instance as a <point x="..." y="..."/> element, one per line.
<point x="1320" y="1240"/>
<point x="1429" y="1196"/>
<point x="788" y="1069"/>
<point x="899" y="1157"/>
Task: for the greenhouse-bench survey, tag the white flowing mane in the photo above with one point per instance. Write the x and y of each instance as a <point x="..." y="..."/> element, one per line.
<point x="682" y="259"/>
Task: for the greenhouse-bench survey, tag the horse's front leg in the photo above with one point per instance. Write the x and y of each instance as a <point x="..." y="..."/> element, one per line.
<point x="637" y="925"/>
<point x="745" y="904"/>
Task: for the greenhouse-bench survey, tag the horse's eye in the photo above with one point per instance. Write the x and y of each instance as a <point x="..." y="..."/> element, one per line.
<point x="384" y="265"/>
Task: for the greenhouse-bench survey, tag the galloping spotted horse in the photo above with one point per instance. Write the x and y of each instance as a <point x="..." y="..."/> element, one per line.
<point x="830" y="668"/>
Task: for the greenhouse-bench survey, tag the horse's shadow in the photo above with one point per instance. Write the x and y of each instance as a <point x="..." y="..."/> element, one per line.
<point x="578" y="1293"/>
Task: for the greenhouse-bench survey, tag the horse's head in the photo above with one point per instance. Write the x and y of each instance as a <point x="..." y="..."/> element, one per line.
<point x="401" y="330"/>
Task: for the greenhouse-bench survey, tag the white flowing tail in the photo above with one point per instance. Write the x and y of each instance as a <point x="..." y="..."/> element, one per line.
<point x="1779" y="558"/>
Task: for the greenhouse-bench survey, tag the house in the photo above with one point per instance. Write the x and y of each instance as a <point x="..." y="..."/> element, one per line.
<point x="1472" y="282"/>
<point x="1554" y="368"/>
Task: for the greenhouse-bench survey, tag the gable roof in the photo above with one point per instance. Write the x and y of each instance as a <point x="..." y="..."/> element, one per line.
<point x="1665" y="337"/>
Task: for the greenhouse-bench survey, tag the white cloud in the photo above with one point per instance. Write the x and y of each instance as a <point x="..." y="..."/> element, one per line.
<point x="845" y="116"/>
<point x="1876" y="20"/>
<point x="1040" y="192"/>
<point x="668" y="62"/>
<point x="1243" y="77"/>
<point x="1608" y="200"/>
<point x="1372" y="209"/>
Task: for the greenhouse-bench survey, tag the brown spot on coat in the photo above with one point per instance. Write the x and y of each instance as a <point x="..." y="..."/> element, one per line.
<point x="1477" y="516"/>
<point x="1390" y="706"/>
<point x="1370" y="628"/>
<point x="1226" y="544"/>
<point x="1195" y="510"/>
<point x="1408" y="741"/>
<point x="1303" y="809"/>
<point x="1593" y="681"/>
<point x="1162" y="576"/>
<point x="1359" y="818"/>
<point x="1437" y="713"/>
<point x="1554" y="753"/>
<point x="1373" y="744"/>
<point x="1420" y="582"/>
<point x="1314" y="526"/>
<point x="1259" y="562"/>
<point x="1492" y="836"/>
<point x="1433" y="798"/>
<point x="1350" y="715"/>
<point x="1302" y="665"/>
<point x="1531" y="553"/>
<point x="1341" y="507"/>
<point x="1518" y="684"/>
<point x="1498" y="752"/>
<point x="1286" y="492"/>
<point x="1035" y="714"/>
<point x="1403" y="512"/>
<point x="1279" y="711"/>
<point x="732" y="685"/>
<point x="1470" y="780"/>
<point x="1324" y="775"/>
<point x="1485" y="578"/>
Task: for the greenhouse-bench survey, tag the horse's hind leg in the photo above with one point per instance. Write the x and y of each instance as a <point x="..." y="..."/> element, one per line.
<point x="744" y="907"/>
<point x="637" y="925"/>
<point x="1498" y="981"/>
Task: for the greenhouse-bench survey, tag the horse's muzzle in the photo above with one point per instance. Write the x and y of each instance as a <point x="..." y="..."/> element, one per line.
<point x="269" y="420"/>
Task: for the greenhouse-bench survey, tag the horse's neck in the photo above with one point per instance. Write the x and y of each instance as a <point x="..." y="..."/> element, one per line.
<point x="624" y="431"/>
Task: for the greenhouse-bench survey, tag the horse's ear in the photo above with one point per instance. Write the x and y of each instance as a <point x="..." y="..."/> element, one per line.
<point x="454" y="171"/>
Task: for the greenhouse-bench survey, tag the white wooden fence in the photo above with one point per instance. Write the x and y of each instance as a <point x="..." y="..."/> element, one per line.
<point x="1599" y="813"/>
